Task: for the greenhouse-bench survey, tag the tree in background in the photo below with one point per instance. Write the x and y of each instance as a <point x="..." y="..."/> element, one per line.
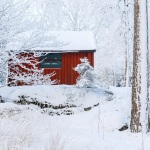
<point x="24" y="70"/>
<point x="140" y="88"/>
<point x="19" y="32"/>
<point x="12" y="22"/>
<point x="101" y="17"/>
<point x="126" y="35"/>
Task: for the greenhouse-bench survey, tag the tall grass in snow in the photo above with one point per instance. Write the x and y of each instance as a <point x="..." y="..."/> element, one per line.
<point x="29" y="130"/>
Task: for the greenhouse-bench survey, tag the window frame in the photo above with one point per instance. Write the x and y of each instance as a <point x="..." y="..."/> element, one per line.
<point x="50" y="60"/>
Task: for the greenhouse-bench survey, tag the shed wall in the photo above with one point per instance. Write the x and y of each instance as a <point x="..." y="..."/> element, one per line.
<point x="66" y="74"/>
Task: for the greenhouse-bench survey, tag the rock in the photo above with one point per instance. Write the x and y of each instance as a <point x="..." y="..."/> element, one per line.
<point x="96" y="105"/>
<point x="87" y="109"/>
<point x="2" y="100"/>
<point x="125" y="127"/>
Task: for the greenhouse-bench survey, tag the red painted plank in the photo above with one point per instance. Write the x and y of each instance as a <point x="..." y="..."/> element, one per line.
<point x="63" y="69"/>
<point x="65" y="75"/>
<point x="74" y="65"/>
<point x="92" y="60"/>
<point x="59" y="77"/>
<point x="80" y="56"/>
<point x="78" y="62"/>
<point x="72" y="76"/>
<point x="52" y="78"/>
<point x="89" y="57"/>
<point x="69" y="70"/>
<point x="56" y="76"/>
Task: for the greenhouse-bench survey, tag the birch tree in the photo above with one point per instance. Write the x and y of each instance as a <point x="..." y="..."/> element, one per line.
<point x="126" y="43"/>
<point x="140" y="89"/>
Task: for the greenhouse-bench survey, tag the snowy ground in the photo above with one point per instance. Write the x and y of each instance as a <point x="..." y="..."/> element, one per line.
<point x="24" y="127"/>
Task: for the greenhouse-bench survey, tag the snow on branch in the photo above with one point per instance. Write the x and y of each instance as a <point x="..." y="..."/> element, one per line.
<point x="24" y="69"/>
<point x="88" y="78"/>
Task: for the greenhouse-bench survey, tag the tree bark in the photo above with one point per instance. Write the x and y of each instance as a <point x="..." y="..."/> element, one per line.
<point x="140" y="98"/>
<point x="148" y="106"/>
<point x="114" y="76"/>
<point x="126" y="36"/>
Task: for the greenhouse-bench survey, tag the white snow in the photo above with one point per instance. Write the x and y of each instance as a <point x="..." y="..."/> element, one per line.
<point x="143" y="64"/>
<point x="73" y="41"/>
<point x="55" y="95"/>
<point x="96" y="129"/>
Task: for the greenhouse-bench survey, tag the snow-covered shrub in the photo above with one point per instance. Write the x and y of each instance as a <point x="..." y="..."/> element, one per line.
<point x="88" y="77"/>
<point x="86" y="72"/>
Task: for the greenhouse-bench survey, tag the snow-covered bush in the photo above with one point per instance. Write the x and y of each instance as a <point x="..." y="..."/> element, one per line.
<point x="86" y="72"/>
<point x="88" y="77"/>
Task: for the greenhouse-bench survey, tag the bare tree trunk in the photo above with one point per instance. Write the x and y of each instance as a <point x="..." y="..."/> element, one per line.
<point x="126" y="36"/>
<point x="114" y="76"/>
<point x="126" y="70"/>
<point x="148" y="106"/>
<point x="139" y="114"/>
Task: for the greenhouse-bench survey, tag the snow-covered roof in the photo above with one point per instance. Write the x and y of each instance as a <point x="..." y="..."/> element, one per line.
<point x="73" y="41"/>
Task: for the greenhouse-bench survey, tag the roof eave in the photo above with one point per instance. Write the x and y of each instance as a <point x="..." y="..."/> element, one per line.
<point x="58" y="51"/>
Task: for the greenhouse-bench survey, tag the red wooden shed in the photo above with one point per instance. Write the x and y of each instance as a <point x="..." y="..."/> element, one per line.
<point x="63" y="59"/>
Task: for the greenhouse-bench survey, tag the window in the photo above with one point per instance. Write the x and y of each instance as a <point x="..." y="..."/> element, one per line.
<point x="51" y="60"/>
